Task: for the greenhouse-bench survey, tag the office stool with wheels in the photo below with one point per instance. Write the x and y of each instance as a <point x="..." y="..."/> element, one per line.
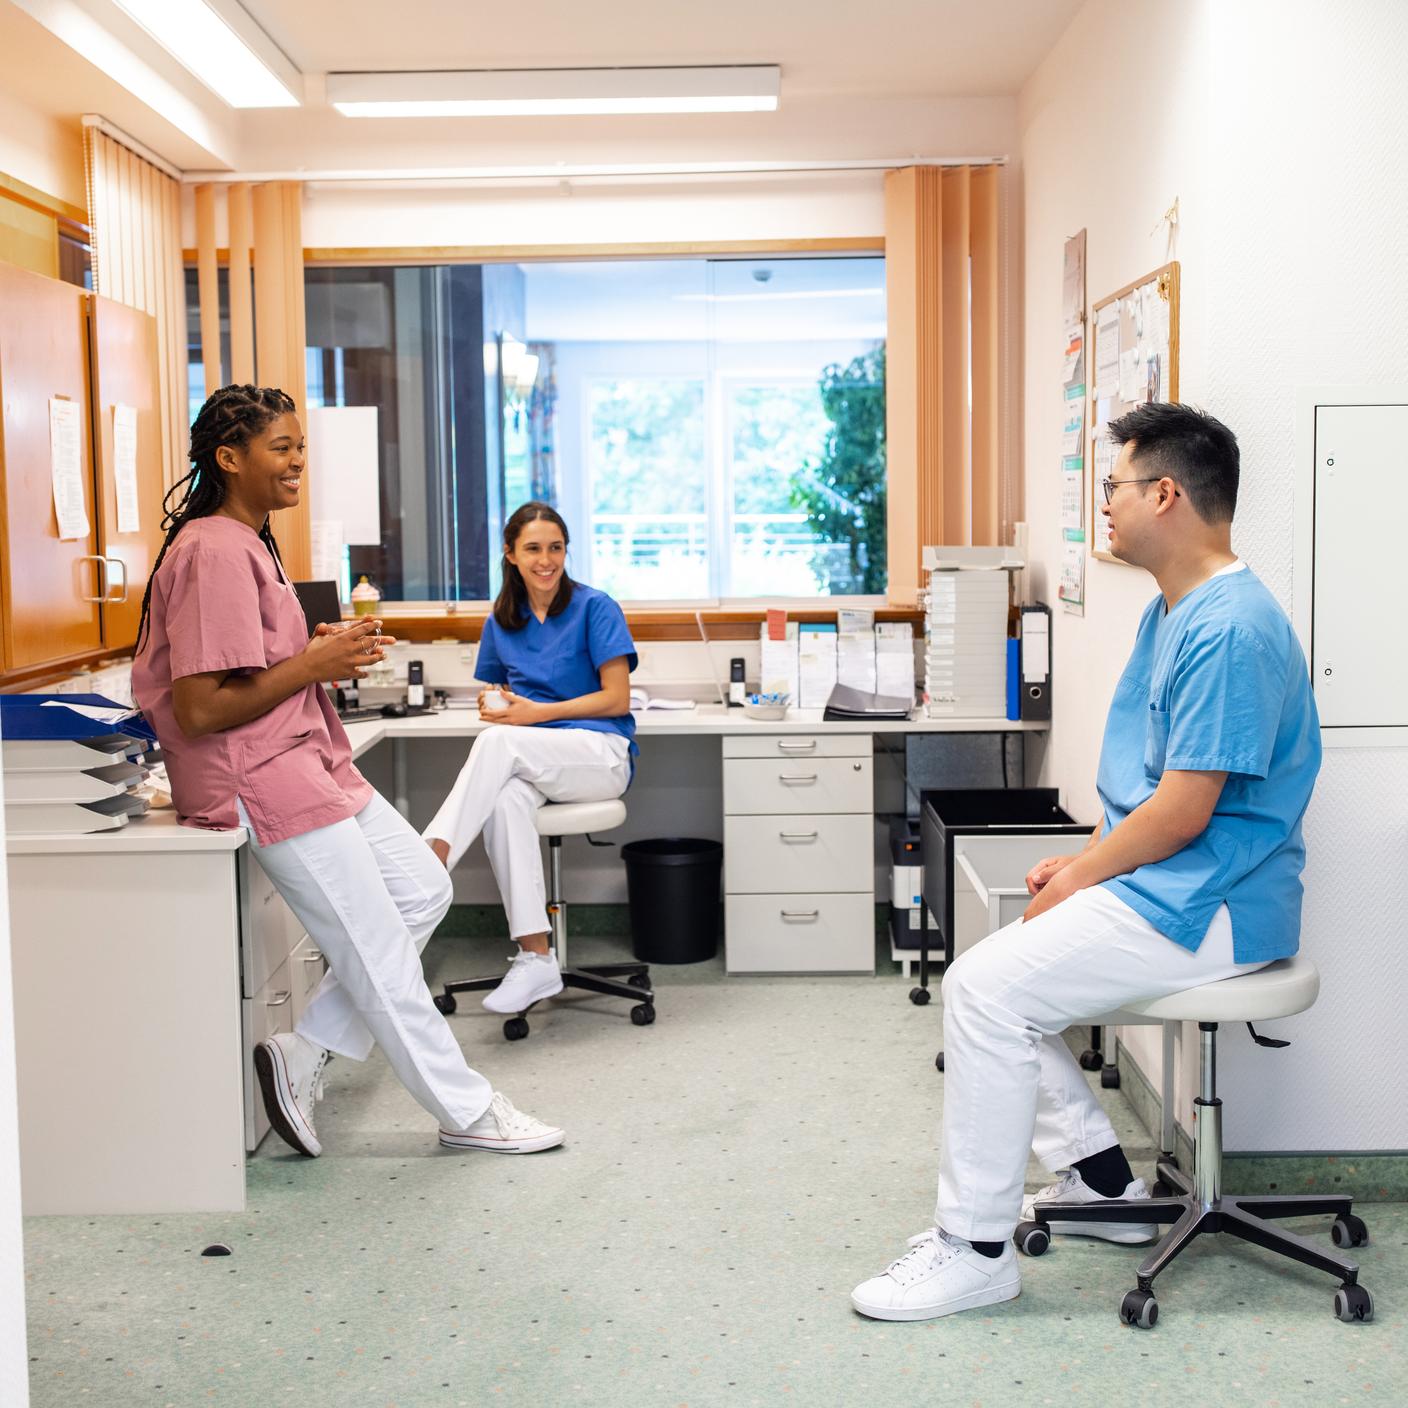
<point x="556" y="820"/>
<point x="1197" y="1205"/>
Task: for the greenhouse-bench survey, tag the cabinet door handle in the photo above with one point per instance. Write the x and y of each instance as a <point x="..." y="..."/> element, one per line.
<point x="800" y="913"/>
<point x="796" y="777"/>
<point x="798" y="835"/>
<point x="806" y="746"/>
<point x="122" y="585"/>
<point x="314" y="957"/>
<point x="279" y="999"/>
<point x="102" y="577"/>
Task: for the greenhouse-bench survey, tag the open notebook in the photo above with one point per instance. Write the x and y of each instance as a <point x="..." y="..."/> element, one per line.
<point x="641" y="700"/>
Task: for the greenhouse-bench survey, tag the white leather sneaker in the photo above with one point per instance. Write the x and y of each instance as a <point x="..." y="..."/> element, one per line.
<point x="939" y="1275"/>
<point x="1072" y="1188"/>
<point x="502" y="1129"/>
<point x="290" y="1071"/>
<point x="530" y="978"/>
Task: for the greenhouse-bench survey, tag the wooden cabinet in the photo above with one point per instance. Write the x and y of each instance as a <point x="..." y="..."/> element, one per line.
<point x="62" y="600"/>
<point x="49" y="587"/>
<point x="123" y="342"/>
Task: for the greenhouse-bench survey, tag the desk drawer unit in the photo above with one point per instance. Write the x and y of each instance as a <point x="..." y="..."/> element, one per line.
<point x="799" y="877"/>
<point x="800" y="933"/>
<point x="795" y="787"/>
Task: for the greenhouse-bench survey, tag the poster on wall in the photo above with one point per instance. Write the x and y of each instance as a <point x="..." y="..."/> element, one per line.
<point x="1073" y="427"/>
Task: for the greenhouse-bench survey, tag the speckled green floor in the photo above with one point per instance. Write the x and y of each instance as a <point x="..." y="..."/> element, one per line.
<point x="731" y="1173"/>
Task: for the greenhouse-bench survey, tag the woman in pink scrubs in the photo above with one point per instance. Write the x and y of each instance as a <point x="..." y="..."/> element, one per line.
<point x="227" y="676"/>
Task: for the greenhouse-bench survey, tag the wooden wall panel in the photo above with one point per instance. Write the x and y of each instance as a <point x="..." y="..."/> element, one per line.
<point x="43" y="579"/>
<point x="127" y="371"/>
<point x="986" y="315"/>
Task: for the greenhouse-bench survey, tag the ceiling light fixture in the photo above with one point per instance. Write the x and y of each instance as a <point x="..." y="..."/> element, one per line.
<point x="560" y="92"/>
<point x="223" y="47"/>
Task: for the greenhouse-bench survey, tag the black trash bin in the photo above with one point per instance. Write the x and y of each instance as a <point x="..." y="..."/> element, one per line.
<point x="673" y="888"/>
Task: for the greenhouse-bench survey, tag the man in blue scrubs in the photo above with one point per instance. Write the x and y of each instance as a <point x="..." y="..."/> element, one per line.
<point x="1211" y="749"/>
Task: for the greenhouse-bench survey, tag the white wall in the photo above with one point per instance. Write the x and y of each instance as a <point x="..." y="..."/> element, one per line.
<point x="1279" y="127"/>
<point x="14" y="1357"/>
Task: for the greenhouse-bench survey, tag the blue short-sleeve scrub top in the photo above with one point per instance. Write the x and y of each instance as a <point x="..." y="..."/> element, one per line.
<point x="1218" y="684"/>
<point x="561" y="657"/>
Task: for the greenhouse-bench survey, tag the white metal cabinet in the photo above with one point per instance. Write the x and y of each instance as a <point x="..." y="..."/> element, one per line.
<point x="799" y="877"/>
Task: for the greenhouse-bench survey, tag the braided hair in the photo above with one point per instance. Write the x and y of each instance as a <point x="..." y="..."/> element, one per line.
<point x="232" y="416"/>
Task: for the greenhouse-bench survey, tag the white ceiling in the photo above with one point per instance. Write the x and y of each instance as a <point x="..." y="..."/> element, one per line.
<point x="892" y="78"/>
<point x="915" y="48"/>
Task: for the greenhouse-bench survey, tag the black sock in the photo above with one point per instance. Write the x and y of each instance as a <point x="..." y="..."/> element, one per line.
<point x="992" y="1249"/>
<point x="1107" y="1173"/>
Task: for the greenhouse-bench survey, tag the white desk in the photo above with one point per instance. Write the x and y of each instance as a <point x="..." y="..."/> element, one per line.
<point x="149" y="960"/>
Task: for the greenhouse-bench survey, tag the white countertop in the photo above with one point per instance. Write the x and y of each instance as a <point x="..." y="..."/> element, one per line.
<point x="160" y="831"/>
<point x="704" y="720"/>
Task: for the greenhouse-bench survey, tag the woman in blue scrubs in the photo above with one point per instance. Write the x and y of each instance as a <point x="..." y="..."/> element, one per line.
<point x="558" y="656"/>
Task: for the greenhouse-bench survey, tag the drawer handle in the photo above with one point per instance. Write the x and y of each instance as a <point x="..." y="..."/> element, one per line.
<point x="279" y="999"/>
<point x="796" y="777"/>
<point x="800" y="913"/>
<point x="314" y="957"/>
<point x="798" y="835"/>
<point x="806" y="746"/>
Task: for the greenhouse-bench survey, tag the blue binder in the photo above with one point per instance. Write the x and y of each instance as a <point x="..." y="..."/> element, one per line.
<point x="23" y="716"/>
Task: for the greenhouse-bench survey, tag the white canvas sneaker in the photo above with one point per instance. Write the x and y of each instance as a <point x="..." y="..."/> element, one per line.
<point x="530" y="978"/>
<point x="290" y="1071"/>
<point x="1072" y="1188"/>
<point x="939" y="1275"/>
<point x="503" y="1130"/>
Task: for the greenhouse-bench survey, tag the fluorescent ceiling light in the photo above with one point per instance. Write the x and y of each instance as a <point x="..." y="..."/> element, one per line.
<point x="561" y="92"/>
<point x="223" y="47"/>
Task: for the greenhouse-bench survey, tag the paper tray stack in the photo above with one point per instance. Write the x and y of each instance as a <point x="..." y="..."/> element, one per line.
<point x="965" y="631"/>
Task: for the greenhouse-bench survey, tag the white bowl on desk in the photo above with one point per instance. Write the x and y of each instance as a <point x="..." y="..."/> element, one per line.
<point x="769" y="712"/>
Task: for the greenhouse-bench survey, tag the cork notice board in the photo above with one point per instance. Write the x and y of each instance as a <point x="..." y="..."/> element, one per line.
<point x="1133" y="359"/>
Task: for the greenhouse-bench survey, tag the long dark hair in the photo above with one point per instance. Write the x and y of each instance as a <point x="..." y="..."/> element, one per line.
<point x="511" y="604"/>
<point x="234" y="415"/>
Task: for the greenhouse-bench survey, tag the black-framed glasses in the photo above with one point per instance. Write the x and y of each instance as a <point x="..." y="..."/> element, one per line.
<point x="1110" y="485"/>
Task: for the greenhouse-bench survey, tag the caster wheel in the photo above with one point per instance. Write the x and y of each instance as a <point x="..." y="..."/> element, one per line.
<point x="1353" y="1303"/>
<point x="639" y="980"/>
<point x="445" y="1003"/>
<point x="1139" y="1308"/>
<point x="1162" y="1190"/>
<point x="920" y="996"/>
<point x="643" y="1015"/>
<point x="939" y="1061"/>
<point x="1349" y="1231"/>
<point x="1109" y="1078"/>
<point x="1032" y="1239"/>
<point x="516" y="1028"/>
<point x="1091" y="1060"/>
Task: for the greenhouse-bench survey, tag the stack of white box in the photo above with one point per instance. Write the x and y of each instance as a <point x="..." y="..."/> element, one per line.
<point x="965" y="631"/>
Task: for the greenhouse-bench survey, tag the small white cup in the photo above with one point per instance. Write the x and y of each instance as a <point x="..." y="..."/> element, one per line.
<point x="493" y="701"/>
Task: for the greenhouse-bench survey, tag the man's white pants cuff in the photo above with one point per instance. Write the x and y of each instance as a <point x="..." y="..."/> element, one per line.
<point x="1062" y="1159"/>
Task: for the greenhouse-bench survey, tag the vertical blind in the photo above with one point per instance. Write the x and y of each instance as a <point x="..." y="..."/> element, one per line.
<point x="267" y="328"/>
<point x="134" y="214"/>
<point x="942" y="366"/>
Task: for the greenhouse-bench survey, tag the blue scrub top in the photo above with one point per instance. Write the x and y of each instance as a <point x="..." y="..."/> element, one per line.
<point x="561" y="657"/>
<point x="1218" y="684"/>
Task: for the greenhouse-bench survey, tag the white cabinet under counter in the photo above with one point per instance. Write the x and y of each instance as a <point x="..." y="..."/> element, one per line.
<point x="799" y="888"/>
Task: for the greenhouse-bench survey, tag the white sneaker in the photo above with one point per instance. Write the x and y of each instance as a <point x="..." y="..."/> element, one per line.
<point x="530" y="978"/>
<point x="1072" y="1188"/>
<point x="939" y="1275"/>
<point x="503" y="1130"/>
<point x="290" y="1071"/>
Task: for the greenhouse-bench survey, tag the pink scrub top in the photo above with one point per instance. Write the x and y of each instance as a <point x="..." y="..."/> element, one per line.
<point x="221" y="602"/>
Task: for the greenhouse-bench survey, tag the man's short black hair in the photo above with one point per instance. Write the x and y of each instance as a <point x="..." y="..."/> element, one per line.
<point x="1188" y="446"/>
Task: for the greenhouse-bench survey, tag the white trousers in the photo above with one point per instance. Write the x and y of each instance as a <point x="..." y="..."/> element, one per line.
<point x="510" y="772"/>
<point x="1010" y="1082"/>
<point x="370" y="893"/>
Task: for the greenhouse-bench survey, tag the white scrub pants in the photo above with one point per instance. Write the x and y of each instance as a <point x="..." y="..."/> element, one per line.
<point x="1010" y="1082"/>
<point x="510" y="772"/>
<point x="370" y="893"/>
